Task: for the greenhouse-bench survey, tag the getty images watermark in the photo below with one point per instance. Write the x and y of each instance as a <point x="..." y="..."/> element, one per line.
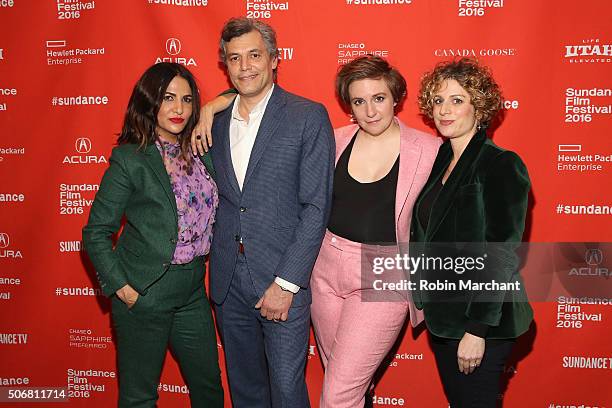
<point x="487" y="272"/>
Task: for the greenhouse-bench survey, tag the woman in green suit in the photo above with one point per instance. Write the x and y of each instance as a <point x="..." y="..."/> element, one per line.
<point x="477" y="193"/>
<point x="155" y="272"/>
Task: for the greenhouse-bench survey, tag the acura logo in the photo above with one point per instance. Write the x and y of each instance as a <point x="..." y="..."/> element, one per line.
<point x="593" y="257"/>
<point x="82" y="145"/>
<point x="4" y="240"/>
<point x="173" y="46"/>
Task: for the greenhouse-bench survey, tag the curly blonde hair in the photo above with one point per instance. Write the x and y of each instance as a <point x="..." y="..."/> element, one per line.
<point x="476" y="79"/>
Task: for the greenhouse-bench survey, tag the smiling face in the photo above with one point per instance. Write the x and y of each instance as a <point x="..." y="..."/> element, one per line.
<point x="453" y="112"/>
<point x="372" y="105"/>
<point x="175" y="109"/>
<point x="249" y="65"/>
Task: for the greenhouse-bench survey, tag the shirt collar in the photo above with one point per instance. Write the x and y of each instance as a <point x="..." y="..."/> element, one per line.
<point x="258" y="109"/>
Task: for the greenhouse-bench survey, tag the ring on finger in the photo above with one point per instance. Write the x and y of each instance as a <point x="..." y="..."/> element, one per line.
<point x="198" y="137"/>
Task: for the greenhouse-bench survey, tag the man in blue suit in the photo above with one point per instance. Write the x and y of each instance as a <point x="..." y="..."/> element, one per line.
<point x="273" y="154"/>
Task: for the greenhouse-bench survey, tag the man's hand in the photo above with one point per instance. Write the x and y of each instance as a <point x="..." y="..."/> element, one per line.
<point x="469" y="353"/>
<point x="275" y="303"/>
<point x="128" y="295"/>
<point x="201" y="137"/>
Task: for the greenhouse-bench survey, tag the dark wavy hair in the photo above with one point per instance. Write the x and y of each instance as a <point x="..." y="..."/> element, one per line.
<point x="140" y="120"/>
<point x="476" y="79"/>
<point x="369" y="67"/>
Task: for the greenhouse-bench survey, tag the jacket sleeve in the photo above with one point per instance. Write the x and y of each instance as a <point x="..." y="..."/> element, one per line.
<point x="506" y="194"/>
<point x="314" y="195"/>
<point x="105" y="220"/>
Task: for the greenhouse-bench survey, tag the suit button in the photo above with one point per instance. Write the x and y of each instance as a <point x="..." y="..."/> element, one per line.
<point x="243" y="209"/>
<point x="166" y="264"/>
<point x="237" y="238"/>
<point x="173" y="240"/>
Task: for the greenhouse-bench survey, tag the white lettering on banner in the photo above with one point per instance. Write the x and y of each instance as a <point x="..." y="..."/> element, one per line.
<point x="5" y="295"/>
<point x="69" y="56"/>
<point x="84" y="291"/>
<point x="377" y="2"/>
<point x="393" y="401"/>
<point x="7" y="3"/>
<point x="70" y="246"/>
<point x="84" y="338"/>
<point x="590" y="51"/>
<point x="71" y="198"/>
<point x="13" y="338"/>
<point x="184" y="3"/>
<point x="1" y="53"/>
<point x="14" y="381"/>
<point x="285" y="54"/>
<point x="79" y="385"/>
<point x="78" y="100"/>
<point x="12" y="197"/>
<point x="581" y="108"/>
<point x="263" y="9"/>
<point x="477" y="8"/>
<point x="471" y="52"/>
<point x="602" y="363"/>
<point x="71" y="9"/>
<point x="173" y="47"/>
<point x="10" y="281"/>
<point x="351" y="50"/>
<point x="8" y="91"/>
<point x="178" y="389"/>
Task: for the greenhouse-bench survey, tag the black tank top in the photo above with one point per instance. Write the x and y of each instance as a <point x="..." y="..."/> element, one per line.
<point x="363" y="212"/>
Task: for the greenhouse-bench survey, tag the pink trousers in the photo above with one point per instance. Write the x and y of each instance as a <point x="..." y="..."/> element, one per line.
<point x="353" y="336"/>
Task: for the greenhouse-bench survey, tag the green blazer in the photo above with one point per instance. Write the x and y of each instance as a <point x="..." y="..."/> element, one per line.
<point x="484" y="201"/>
<point x="137" y="186"/>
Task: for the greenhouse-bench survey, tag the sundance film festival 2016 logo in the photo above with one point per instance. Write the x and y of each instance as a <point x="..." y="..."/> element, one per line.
<point x="477" y="8"/>
<point x="264" y="9"/>
<point x="73" y="9"/>
<point x="173" y="49"/>
<point x="82" y="146"/>
<point x="591" y="50"/>
<point x="5" y="250"/>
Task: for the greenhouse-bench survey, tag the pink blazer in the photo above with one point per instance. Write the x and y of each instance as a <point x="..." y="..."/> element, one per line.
<point x="417" y="154"/>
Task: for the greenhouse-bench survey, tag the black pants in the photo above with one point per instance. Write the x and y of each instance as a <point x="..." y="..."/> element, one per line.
<point x="478" y="389"/>
<point x="175" y="312"/>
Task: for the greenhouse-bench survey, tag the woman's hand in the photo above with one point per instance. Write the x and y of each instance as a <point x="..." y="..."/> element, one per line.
<point x="469" y="353"/>
<point x="128" y="295"/>
<point x="201" y="137"/>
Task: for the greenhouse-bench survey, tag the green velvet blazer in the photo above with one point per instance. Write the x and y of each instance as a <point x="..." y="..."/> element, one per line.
<point x="137" y="186"/>
<point x="484" y="201"/>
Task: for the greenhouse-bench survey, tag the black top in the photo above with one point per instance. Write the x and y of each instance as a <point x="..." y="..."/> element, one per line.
<point x="427" y="202"/>
<point x="363" y="212"/>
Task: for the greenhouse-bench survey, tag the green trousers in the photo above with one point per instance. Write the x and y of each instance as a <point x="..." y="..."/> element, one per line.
<point x="175" y="312"/>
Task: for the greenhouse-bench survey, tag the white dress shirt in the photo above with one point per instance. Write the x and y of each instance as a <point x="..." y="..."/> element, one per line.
<point x="242" y="138"/>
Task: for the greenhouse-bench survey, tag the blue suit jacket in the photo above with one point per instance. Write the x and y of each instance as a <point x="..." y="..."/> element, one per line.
<point x="282" y="211"/>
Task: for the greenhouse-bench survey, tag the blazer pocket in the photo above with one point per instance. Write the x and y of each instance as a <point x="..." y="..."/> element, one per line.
<point x="475" y="188"/>
<point x="132" y="246"/>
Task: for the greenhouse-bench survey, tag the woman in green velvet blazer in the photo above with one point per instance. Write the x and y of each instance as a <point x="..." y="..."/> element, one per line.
<point x="477" y="193"/>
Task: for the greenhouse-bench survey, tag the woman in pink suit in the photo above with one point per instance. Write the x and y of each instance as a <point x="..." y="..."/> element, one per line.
<point x="381" y="167"/>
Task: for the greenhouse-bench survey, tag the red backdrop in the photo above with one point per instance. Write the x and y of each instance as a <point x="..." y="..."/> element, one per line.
<point x="67" y="68"/>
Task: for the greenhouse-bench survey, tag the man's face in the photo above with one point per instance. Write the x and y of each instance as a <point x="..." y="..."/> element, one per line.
<point x="249" y="64"/>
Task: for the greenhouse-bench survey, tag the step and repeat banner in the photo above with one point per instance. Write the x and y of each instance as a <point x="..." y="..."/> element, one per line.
<point x="67" y="68"/>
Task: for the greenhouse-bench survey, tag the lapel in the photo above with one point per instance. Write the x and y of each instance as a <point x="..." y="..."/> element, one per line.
<point x="410" y="155"/>
<point x="225" y="154"/>
<point x="457" y="178"/>
<point x="155" y="161"/>
<point x="270" y="122"/>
